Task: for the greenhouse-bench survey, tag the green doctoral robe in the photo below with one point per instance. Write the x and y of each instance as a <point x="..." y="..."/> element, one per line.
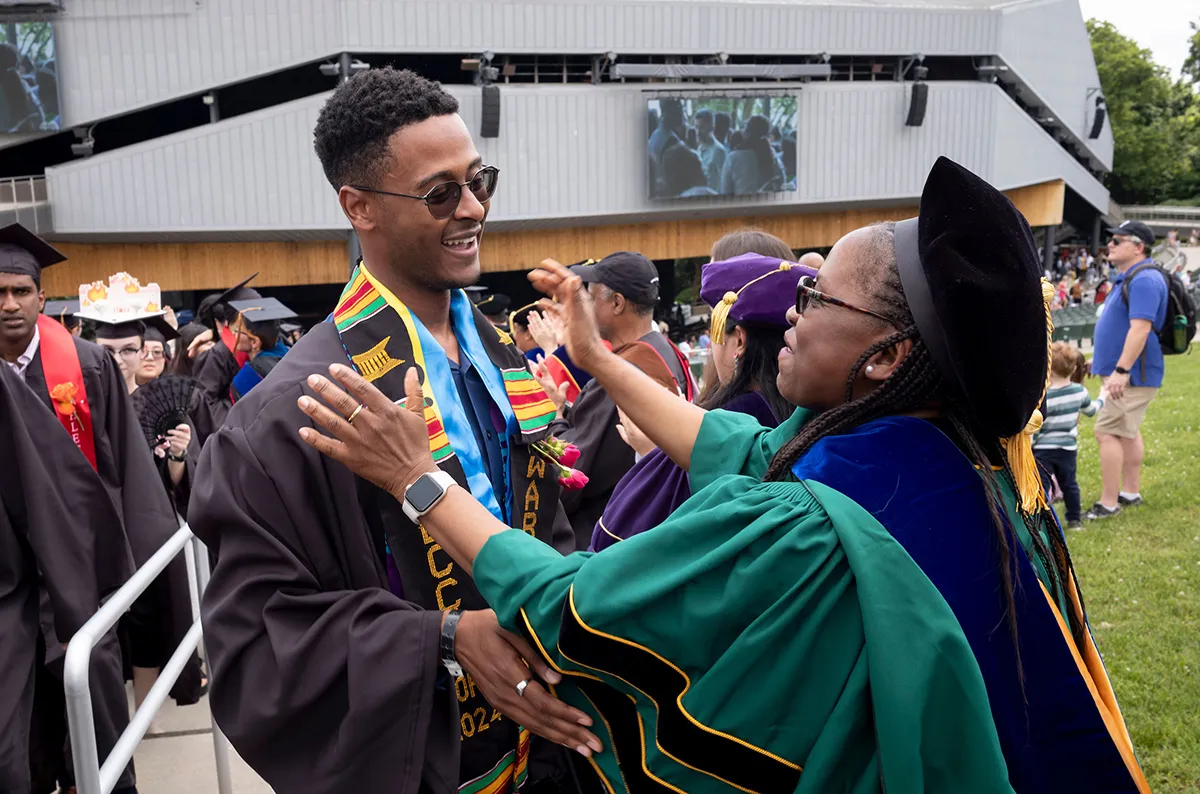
<point x="768" y="637"/>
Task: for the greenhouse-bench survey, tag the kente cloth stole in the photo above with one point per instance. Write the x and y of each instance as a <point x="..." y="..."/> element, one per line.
<point x="369" y="319"/>
<point x="367" y="316"/>
<point x="64" y="381"/>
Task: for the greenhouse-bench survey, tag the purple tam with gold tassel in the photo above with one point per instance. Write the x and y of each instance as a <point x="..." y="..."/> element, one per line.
<point x="750" y="289"/>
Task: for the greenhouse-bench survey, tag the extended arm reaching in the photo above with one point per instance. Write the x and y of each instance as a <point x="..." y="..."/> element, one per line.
<point x="669" y="422"/>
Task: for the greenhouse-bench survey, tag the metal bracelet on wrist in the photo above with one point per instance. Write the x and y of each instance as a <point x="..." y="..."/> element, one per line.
<point x="446" y="644"/>
<point x="171" y="457"/>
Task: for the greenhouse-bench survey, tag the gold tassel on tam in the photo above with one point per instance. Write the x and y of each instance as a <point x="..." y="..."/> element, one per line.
<point x="1019" y="448"/>
<point x="720" y="317"/>
<point x="720" y="313"/>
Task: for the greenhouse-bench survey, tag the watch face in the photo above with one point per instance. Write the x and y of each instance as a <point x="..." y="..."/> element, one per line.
<point x="423" y="493"/>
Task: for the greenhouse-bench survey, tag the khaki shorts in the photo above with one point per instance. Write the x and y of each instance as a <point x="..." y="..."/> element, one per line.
<point x="1123" y="417"/>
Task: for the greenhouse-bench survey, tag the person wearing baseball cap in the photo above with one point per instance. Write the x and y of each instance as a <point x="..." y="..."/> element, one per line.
<point x="1129" y="358"/>
<point x="624" y="286"/>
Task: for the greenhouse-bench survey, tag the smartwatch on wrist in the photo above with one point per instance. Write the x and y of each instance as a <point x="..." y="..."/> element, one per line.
<point x="446" y="646"/>
<point x="1120" y="370"/>
<point x="427" y="491"/>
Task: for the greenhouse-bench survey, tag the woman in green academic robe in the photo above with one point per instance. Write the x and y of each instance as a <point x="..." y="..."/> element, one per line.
<point x="873" y="596"/>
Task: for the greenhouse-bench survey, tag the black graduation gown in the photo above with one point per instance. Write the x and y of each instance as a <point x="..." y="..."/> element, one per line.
<point x="60" y="535"/>
<point x="127" y="471"/>
<point x="321" y="678"/>
<point x="214" y="370"/>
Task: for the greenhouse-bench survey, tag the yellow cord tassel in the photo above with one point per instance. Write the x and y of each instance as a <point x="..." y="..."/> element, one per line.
<point x="1019" y="448"/>
<point x="720" y="317"/>
<point x="720" y="313"/>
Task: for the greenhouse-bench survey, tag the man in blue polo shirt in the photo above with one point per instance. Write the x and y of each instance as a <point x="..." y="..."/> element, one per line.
<point x="1130" y="360"/>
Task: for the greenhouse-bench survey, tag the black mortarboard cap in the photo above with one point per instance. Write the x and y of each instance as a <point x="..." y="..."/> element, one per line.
<point x="262" y="310"/>
<point x="494" y="305"/>
<point x="240" y="292"/>
<point x="476" y="293"/>
<point x="24" y="253"/>
<point x="60" y="309"/>
<point x="972" y="277"/>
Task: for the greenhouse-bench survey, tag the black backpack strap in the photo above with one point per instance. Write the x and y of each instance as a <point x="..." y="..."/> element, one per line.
<point x="1130" y="276"/>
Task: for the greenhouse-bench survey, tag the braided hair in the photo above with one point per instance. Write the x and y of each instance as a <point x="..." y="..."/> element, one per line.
<point x="918" y="383"/>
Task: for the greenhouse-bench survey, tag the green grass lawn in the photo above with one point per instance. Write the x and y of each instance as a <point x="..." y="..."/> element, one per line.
<point x="1140" y="574"/>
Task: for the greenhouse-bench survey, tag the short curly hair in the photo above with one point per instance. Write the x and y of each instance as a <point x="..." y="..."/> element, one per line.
<point x="352" y="132"/>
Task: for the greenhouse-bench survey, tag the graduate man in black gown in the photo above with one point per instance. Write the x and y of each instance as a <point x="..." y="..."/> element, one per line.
<point x="79" y="383"/>
<point x="335" y="628"/>
<point x="59" y="535"/>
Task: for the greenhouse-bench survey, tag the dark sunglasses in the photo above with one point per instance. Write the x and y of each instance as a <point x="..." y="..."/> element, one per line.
<point x="807" y="295"/>
<point x="442" y="200"/>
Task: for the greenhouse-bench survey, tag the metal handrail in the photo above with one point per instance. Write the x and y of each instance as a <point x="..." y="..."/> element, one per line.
<point x="91" y="777"/>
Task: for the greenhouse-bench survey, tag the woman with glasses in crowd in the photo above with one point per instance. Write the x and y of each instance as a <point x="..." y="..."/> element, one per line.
<point x="873" y="596"/>
<point x="749" y="285"/>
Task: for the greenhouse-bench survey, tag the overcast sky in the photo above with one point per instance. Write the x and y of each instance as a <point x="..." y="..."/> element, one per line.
<point x="1160" y="26"/>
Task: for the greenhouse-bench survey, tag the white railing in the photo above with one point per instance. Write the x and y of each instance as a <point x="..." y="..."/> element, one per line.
<point x="96" y="776"/>
<point x="1163" y="214"/>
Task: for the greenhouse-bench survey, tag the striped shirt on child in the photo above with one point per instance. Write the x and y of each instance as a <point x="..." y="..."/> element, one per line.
<point x="1060" y="424"/>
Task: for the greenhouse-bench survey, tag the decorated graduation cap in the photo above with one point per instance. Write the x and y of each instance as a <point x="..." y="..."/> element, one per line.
<point x="123" y="307"/>
<point x="750" y="289"/>
<point x="153" y="327"/>
<point x="973" y="280"/>
<point x="24" y="253"/>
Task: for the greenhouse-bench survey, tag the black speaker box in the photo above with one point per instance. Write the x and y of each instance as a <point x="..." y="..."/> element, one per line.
<point x="916" y="105"/>
<point x="489" y="118"/>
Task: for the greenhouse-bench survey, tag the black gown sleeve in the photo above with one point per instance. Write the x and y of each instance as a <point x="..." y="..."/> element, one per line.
<point x="321" y="678"/>
<point x="213" y="370"/>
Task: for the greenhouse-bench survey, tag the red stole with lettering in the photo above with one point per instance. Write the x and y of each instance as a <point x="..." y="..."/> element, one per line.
<point x="64" y="381"/>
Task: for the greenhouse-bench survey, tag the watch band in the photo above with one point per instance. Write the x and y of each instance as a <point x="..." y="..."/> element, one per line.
<point x="180" y="459"/>
<point x="1120" y="370"/>
<point x="439" y="478"/>
<point x="446" y="646"/>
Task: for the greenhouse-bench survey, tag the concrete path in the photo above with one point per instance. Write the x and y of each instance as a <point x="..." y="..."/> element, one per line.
<point x="176" y="756"/>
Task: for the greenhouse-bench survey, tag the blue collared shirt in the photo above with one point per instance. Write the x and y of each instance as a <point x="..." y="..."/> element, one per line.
<point x="1147" y="301"/>
<point x="486" y="422"/>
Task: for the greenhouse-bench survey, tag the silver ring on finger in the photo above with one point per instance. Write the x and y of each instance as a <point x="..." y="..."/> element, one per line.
<point x="521" y="687"/>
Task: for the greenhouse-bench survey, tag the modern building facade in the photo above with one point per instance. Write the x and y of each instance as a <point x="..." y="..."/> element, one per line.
<point x="199" y="114"/>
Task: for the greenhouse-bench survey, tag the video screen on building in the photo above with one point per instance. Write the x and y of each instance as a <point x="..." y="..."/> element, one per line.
<point x="721" y="146"/>
<point x="28" y="78"/>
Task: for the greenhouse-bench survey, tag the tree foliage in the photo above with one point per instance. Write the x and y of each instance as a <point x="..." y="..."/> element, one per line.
<point x="1155" y="121"/>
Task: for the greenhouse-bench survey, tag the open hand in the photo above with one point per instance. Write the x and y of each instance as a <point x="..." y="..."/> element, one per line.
<point x="556" y="392"/>
<point x="632" y="435"/>
<point x="546" y="330"/>
<point x="386" y="444"/>
<point x="498" y="661"/>
<point x="574" y="310"/>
